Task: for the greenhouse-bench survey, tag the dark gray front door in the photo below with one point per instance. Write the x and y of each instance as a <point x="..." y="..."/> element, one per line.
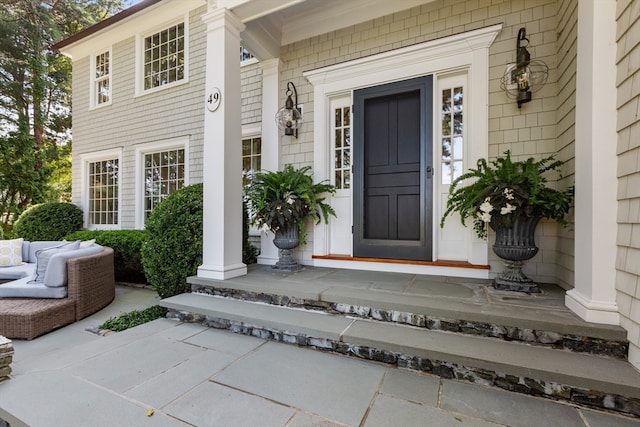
<point x="392" y="170"/>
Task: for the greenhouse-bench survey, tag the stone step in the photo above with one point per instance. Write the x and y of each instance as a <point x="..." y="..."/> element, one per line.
<point x="558" y="374"/>
<point x="545" y="327"/>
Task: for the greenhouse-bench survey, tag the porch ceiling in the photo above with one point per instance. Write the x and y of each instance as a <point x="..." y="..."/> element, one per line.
<point x="271" y="24"/>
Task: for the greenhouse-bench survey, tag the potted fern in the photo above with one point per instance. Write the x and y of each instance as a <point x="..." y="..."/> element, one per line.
<point x="281" y="202"/>
<point x="511" y="198"/>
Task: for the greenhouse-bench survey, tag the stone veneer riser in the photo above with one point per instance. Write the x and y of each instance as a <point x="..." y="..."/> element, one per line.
<point x="519" y="384"/>
<point x="581" y="344"/>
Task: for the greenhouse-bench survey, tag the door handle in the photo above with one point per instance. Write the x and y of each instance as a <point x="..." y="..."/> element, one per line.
<point x="429" y="172"/>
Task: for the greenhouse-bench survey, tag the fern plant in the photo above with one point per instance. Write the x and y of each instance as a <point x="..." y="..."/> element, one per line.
<point x="505" y="190"/>
<point x="282" y="198"/>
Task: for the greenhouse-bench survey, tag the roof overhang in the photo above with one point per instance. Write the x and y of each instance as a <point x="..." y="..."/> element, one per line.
<point x="138" y="18"/>
<point x="270" y="24"/>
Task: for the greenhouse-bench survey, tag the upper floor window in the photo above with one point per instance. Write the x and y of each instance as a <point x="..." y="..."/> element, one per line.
<point x="164" y="57"/>
<point x="245" y="55"/>
<point x="101" y="76"/>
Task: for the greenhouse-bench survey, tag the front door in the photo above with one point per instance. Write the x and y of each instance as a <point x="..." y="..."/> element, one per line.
<point x="393" y="186"/>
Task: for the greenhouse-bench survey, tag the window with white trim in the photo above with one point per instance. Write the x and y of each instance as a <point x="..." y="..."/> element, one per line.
<point x="103" y="193"/>
<point x="164" y="57"/>
<point x="342" y="147"/>
<point x="164" y="172"/>
<point x="101" y="77"/>
<point x="251" y="158"/>
<point x="452" y="133"/>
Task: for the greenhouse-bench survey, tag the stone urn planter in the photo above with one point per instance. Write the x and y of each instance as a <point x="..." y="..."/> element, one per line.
<point x="516" y="245"/>
<point x="286" y="239"/>
<point x="510" y="197"/>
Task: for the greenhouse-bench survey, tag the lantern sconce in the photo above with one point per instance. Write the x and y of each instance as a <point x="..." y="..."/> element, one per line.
<point x="526" y="75"/>
<point x="289" y="117"/>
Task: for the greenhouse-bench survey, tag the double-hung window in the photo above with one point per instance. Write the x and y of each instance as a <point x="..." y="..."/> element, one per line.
<point x="101" y="77"/>
<point x="163" y="57"/>
<point x="102" y="190"/>
<point x="164" y="172"/>
<point x="251" y="158"/>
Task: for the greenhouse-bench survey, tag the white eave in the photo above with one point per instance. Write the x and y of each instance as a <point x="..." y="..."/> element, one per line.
<point x="274" y="23"/>
<point x="153" y="16"/>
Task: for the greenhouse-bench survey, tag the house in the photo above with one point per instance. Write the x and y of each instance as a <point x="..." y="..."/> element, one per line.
<point x="162" y="99"/>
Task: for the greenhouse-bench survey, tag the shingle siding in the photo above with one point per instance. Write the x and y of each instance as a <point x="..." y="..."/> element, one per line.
<point x="628" y="150"/>
<point x="130" y="120"/>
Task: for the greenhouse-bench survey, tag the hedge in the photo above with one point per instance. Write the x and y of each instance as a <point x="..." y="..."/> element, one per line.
<point x="48" y="221"/>
<point x="126" y="245"/>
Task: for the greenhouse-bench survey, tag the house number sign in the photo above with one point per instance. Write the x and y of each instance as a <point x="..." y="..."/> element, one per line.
<point x="213" y="99"/>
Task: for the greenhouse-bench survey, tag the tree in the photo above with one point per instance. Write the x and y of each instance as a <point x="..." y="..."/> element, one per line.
<point x="35" y="89"/>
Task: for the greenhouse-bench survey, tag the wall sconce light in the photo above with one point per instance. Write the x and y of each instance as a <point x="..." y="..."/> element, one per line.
<point x="524" y="76"/>
<point x="289" y="117"/>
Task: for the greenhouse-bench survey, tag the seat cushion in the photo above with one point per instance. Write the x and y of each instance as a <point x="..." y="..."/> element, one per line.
<point x="17" y="272"/>
<point x="23" y="288"/>
<point x="10" y="252"/>
<point x="56" y="274"/>
<point x="43" y="256"/>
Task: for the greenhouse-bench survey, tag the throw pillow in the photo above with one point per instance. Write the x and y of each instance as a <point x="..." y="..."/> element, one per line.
<point x="87" y="243"/>
<point x="44" y="255"/>
<point x="10" y="252"/>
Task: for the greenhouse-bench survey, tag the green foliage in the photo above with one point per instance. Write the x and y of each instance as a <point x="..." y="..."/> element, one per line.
<point x="35" y="98"/>
<point x="126" y="245"/>
<point x="48" y="221"/>
<point x="173" y="250"/>
<point x="23" y="178"/>
<point x="289" y="196"/>
<point x="134" y="318"/>
<point x="505" y="190"/>
<point x="249" y="252"/>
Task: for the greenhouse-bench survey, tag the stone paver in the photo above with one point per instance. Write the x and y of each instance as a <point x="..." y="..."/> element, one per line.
<point x="506" y="408"/>
<point x="388" y="411"/>
<point x="412" y="386"/>
<point x="332" y="386"/>
<point x="212" y="404"/>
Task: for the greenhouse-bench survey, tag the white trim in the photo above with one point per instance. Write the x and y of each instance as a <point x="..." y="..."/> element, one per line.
<point x="595" y="164"/>
<point x="605" y="312"/>
<point x="154" y="147"/>
<point x="85" y="159"/>
<point x="249" y="61"/>
<point x="251" y="130"/>
<point x="464" y="51"/>
<point x="139" y="62"/>
<point x="471" y="273"/>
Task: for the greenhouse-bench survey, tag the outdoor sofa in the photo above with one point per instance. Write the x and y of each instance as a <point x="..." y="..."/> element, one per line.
<point x="47" y="285"/>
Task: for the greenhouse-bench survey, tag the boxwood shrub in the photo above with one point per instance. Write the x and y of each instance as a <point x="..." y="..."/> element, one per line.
<point x="48" y="221"/>
<point x="126" y="245"/>
<point x="173" y="250"/>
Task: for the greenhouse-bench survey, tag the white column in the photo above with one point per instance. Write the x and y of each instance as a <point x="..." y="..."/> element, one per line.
<point x="222" y="217"/>
<point x="594" y="295"/>
<point x="270" y="142"/>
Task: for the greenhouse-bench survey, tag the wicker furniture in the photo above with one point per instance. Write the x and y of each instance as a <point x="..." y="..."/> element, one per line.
<point x="91" y="286"/>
